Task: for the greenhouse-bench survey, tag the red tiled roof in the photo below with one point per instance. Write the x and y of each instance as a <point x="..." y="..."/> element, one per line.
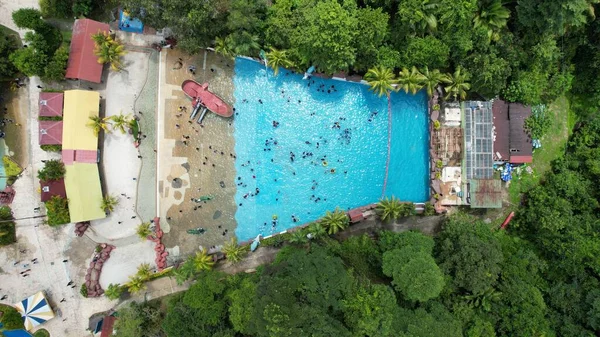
<point x="51" y="132"/>
<point x="107" y="326"/>
<point x="51" y="104"/>
<point x="83" y="64"/>
<point x="521" y="149"/>
<point x="51" y="188"/>
<point x="521" y="159"/>
<point x="80" y="156"/>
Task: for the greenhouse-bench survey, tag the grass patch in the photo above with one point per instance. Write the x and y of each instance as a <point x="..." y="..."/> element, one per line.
<point x="41" y="333"/>
<point x="553" y="146"/>
<point x="11" y="318"/>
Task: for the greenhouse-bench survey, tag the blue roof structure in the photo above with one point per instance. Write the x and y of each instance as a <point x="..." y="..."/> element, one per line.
<point x="129" y="24"/>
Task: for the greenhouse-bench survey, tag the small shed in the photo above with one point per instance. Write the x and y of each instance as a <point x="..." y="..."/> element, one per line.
<point x="51" y="104"/>
<point x="51" y="132"/>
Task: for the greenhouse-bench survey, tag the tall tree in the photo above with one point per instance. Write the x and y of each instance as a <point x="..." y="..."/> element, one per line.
<point x="457" y="85"/>
<point x="381" y="80"/>
<point x="410" y="80"/>
<point x="431" y="79"/>
<point x="278" y="58"/>
<point x="492" y="16"/>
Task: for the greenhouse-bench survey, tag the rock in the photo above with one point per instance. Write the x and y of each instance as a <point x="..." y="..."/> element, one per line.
<point x="97" y="267"/>
<point x="87" y="284"/>
<point x="164" y="254"/>
<point x="87" y="277"/>
<point x="103" y="245"/>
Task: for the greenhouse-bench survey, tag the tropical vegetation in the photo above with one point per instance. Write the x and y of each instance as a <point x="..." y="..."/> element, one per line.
<point x="143" y="230"/>
<point x="109" y="203"/>
<point x="109" y="50"/>
<point x="97" y="124"/>
<point x="202" y="261"/>
<point x="53" y="169"/>
<point x="234" y="252"/>
<point x="114" y="291"/>
<point x="120" y="122"/>
<point x="7" y="227"/>
<point x="57" y="210"/>
<point x="335" y="221"/>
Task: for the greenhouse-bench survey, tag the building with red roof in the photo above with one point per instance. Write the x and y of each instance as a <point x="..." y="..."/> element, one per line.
<point x="52" y="188"/>
<point x="83" y="63"/>
<point x="51" y="132"/>
<point x="51" y="104"/>
<point x="512" y="143"/>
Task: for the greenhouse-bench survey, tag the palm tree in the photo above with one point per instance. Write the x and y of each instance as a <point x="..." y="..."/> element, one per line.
<point x="113" y="291"/>
<point x="101" y="38"/>
<point x="143" y="230"/>
<point x="120" y="121"/>
<point x="317" y="230"/>
<point x="335" y="221"/>
<point x="278" y="58"/>
<point x="245" y="43"/>
<point x="381" y="80"/>
<point x="184" y="272"/>
<point x="203" y="261"/>
<point x="431" y="79"/>
<point x="410" y="80"/>
<point x="135" y="284"/>
<point x="388" y="209"/>
<point x="425" y="20"/>
<point x="492" y="16"/>
<point x="224" y="46"/>
<point x="110" y="53"/>
<point x="457" y="84"/>
<point x="233" y="252"/>
<point x="96" y="123"/>
<point x="109" y="203"/>
<point x="298" y="237"/>
<point x="144" y="271"/>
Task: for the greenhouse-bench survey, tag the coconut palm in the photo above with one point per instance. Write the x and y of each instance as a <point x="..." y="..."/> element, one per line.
<point x="144" y="271"/>
<point x="484" y="299"/>
<point x="233" y="252"/>
<point x="278" y="58"/>
<point x="120" y="122"/>
<point x="245" y="43"/>
<point x="110" y="53"/>
<point x="388" y="209"/>
<point x="96" y="124"/>
<point x="317" y="230"/>
<point x="203" y="261"/>
<point x="143" y="230"/>
<point x="135" y="284"/>
<point x="109" y="203"/>
<point x="492" y="16"/>
<point x="101" y="38"/>
<point x="431" y="79"/>
<point x="184" y="272"/>
<point x="298" y="237"/>
<point x="458" y="84"/>
<point x="410" y="80"/>
<point x="381" y="80"/>
<point x="224" y="46"/>
<point x="335" y="221"/>
<point x="114" y="291"/>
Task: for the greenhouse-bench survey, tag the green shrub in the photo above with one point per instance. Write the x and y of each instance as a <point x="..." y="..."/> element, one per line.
<point x="56" y="68"/>
<point x="439" y="164"/>
<point x="27" y="18"/>
<point x="58" y="211"/>
<point x="11" y="168"/>
<point x="82" y="7"/>
<point x="50" y="118"/>
<point x="11" y="318"/>
<point x="538" y="123"/>
<point x="436" y="124"/>
<point x="7" y="229"/>
<point x="276" y="241"/>
<point x="428" y="209"/>
<point x="56" y="8"/>
<point x="53" y="170"/>
<point x="83" y="290"/>
<point x="51" y="148"/>
<point x="41" y="333"/>
<point x="436" y="107"/>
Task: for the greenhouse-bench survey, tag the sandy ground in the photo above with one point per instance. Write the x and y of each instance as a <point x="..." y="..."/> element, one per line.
<point x="9" y="6"/>
<point x="122" y="262"/>
<point x="120" y="157"/>
<point x="205" y="166"/>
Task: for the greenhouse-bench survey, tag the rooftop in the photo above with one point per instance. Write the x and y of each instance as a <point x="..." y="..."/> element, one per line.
<point x="53" y="188"/>
<point x="83" y="63"/>
<point x="82" y="184"/>
<point x="51" y="104"/>
<point x="485" y="193"/>
<point x="51" y="132"/>
<point x="501" y="130"/>
<point x="80" y="105"/>
<point x="478" y="139"/>
<point x="521" y="150"/>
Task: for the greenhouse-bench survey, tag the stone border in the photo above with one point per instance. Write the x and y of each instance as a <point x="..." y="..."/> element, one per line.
<point x="92" y="275"/>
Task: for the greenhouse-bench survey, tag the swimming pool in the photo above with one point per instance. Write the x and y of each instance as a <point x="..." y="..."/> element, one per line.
<point x="307" y="146"/>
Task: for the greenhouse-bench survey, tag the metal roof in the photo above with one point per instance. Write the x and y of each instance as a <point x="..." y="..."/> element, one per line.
<point x="478" y="139"/>
<point x="51" y="188"/>
<point x="485" y="193"/>
<point x="83" y="63"/>
<point x="51" y="132"/>
<point x="521" y="149"/>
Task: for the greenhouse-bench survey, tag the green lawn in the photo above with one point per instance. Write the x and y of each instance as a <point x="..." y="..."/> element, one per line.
<point x="11" y="318"/>
<point x="41" y="333"/>
<point x="553" y="145"/>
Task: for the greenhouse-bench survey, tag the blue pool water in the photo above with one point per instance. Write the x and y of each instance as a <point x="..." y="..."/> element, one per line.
<point x="329" y="125"/>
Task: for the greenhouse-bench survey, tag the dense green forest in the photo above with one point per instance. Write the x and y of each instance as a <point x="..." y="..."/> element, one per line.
<point x="539" y="278"/>
<point x="528" y="51"/>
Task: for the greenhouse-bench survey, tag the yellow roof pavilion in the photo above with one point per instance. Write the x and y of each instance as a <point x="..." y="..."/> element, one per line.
<point x="82" y="183"/>
<point x="79" y="106"/>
